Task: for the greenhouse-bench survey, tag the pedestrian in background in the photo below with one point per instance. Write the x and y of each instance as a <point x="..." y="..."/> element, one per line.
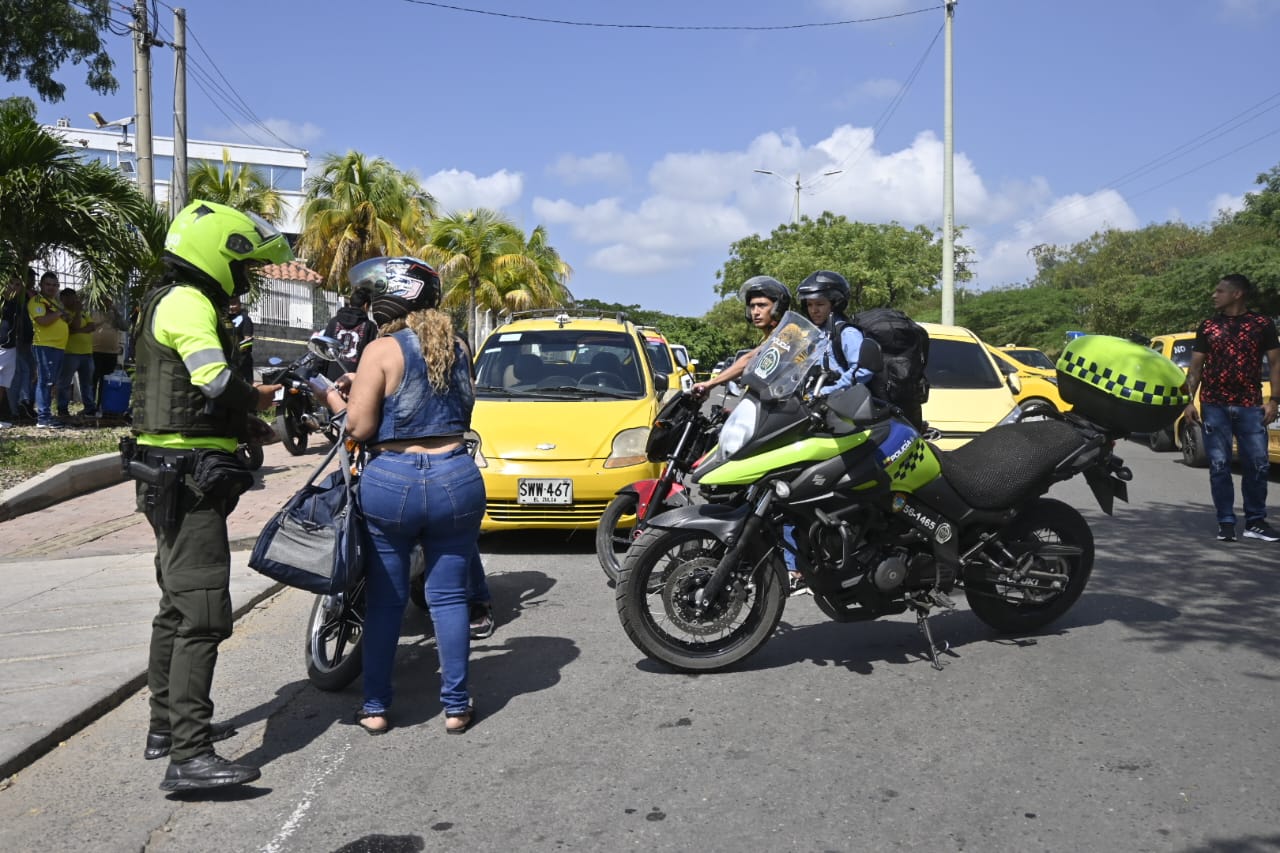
<point x="11" y="308"/>
<point x="242" y="326"/>
<point x="1226" y="368"/>
<point x="49" y="321"/>
<point x="106" y="345"/>
<point x="353" y="330"/>
<point x="77" y="360"/>
<point x="410" y="402"/>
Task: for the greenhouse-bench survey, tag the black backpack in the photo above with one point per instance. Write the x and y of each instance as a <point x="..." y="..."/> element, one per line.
<point x="905" y="346"/>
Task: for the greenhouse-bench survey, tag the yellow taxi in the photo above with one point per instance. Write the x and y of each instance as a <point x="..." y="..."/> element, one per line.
<point x="564" y="403"/>
<point x="667" y="359"/>
<point x="1039" y="386"/>
<point x="1187" y="437"/>
<point x="968" y="394"/>
<point x="1030" y="356"/>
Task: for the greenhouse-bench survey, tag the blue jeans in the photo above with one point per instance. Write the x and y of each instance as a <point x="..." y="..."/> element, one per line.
<point x="1245" y="423"/>
<point x="74" y="364"/>
<point x="48" y="374"/>
<point x="435" y="500"/>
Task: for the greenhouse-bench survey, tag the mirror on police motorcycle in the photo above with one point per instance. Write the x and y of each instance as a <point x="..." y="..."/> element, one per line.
<point x="325" y="347"/>
<point x="733" y="389"/>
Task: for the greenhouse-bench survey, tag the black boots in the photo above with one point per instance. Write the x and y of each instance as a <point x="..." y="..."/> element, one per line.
<point x="206" y="771"/>
<point x="159" y="743"/>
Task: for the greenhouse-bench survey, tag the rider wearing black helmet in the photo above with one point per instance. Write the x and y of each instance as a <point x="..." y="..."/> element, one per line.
<point x="825" y="296"/>
<point x="766" y="300"/>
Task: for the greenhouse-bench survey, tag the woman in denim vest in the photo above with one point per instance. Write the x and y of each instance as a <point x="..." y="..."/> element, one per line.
<point x="410" y="402"/>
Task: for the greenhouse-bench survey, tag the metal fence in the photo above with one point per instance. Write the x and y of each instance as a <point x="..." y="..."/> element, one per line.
<point x="293" y="304"/>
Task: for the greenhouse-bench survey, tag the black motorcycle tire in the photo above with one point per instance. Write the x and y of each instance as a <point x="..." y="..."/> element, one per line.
<point x="646" y="553"/>
<point x="613" y="540"/>
<point x="1052" y="522"/>
<point x="292" y="432"/>
<point x="340" y="622"/>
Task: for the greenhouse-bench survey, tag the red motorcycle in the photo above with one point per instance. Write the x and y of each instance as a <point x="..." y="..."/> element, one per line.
<point x="680" y="437"/>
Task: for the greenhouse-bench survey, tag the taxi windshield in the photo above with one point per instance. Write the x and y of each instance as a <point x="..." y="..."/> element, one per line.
<point x="785" y="359"/>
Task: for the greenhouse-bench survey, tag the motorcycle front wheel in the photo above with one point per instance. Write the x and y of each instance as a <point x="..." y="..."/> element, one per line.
<point x="1052" y="548"/>
<point x="663" y="571"/>
<point x="614" y="536"/>
<point x="292" y="432"/>
<point x="334" y="634"/>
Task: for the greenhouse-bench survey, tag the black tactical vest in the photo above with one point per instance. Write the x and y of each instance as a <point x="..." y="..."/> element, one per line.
<point x="164" y="400"/>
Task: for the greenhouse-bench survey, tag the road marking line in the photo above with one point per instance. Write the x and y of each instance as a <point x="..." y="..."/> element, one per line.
<point x="291" y="825"/>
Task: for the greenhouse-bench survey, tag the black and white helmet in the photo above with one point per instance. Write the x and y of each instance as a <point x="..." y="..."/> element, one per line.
<point x="825" y="284"/>
<point x="770" y="288"/>
<point x="396" y="286"/>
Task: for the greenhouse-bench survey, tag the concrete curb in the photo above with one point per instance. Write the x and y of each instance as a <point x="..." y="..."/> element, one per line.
<point x="13" y="764"/>
<point x="62" y="481"/>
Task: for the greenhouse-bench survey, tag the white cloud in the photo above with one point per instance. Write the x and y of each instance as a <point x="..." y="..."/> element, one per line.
<point x="458" y="190"/>
<point x="605" y="167"/>
<point x="1226" y="202"/>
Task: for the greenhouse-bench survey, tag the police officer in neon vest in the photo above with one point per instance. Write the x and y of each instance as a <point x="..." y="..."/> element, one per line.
<point x="190" y="410"/>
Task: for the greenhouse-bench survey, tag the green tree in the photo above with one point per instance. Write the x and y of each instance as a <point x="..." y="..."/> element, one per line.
<point x="889" y="264"/>
<point x="1263" y="208"/>
<point x="242" y="187"/>
<point x="359" y="207"/>
<point x="484" y="260"/>
<point x="38" y="36"/>
<point x="51" y="200"/>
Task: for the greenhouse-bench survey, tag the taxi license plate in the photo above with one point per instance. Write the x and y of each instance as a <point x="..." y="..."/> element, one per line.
<point x="545" y="492"/>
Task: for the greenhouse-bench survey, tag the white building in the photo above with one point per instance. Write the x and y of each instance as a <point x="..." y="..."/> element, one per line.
<point x="282" y="168"/>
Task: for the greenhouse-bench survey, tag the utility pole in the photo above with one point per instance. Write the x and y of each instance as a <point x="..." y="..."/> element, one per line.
<point x="142" y="99"/>
<point x="948" y="185"/>
<point x="178" y="180"/>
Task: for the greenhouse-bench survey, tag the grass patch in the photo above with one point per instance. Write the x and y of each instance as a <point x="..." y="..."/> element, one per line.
<point x="30" y="455"/>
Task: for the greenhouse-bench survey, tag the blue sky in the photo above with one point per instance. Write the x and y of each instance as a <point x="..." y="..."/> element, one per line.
<point x="635" y="147"/>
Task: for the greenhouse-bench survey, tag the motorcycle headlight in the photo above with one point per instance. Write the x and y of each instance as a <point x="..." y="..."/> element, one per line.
<point x="739" y="428"/>
<point x="628" y="448"/>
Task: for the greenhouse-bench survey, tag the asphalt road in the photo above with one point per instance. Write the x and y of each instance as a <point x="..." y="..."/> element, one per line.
<point x="1145" y="719"/>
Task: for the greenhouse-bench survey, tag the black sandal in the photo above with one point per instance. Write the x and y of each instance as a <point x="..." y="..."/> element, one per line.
<point x="470" y="716"/>
<point x="361" y="716"/>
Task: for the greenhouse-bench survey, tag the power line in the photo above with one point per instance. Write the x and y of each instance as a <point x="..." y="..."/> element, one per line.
<point x="568" y="23"/>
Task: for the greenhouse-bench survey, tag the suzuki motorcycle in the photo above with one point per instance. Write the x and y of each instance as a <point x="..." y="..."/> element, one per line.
<point x="299" y="414"/>
<point x="680" y="435"/>
<point x="880" y="522"/>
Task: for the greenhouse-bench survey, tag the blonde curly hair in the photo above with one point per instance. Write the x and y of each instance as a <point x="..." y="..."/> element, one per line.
<point x="435" y="333"/>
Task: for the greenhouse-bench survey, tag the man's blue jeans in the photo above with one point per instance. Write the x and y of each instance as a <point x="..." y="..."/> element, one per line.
<point x="73" y="365"/>
<point x="1245" y="424"/>
<point x="48" y="374"/>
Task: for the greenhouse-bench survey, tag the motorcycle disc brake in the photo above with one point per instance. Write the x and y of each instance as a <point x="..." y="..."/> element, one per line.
<point x="679" y="588"/>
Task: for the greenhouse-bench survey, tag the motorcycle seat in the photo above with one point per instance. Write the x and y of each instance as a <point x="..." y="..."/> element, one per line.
<point x="1009" y="464"/>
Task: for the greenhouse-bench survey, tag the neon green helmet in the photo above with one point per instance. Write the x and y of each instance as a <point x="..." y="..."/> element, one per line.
<point x="223" y="242"/>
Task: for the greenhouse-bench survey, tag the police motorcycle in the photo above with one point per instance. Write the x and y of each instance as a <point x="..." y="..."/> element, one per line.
<point x="299" y="414"/>
<point x="882" y="521"/>
<point x="681" y="434"/>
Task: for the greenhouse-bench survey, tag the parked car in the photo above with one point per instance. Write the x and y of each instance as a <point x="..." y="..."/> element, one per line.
<point x="665" y="359"/>
<point x="564" y="404"/>
<point x="967" y="392"/>
<point x="1188" y="437"/>
<point x="1030" y="356"/>
<point x="1039" y="386"/>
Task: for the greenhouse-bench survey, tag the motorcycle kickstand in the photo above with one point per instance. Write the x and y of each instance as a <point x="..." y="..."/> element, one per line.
<point x="922" y="622"/>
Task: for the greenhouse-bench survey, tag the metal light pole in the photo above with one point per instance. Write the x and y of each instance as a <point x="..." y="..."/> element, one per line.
<point x="797" y="184"/>
<point x="948" y="186"/>
<point x="178" y="179"/>
<point x="142" y="99"/>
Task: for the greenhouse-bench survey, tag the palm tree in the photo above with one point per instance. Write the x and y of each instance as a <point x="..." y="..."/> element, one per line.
<point x="242" y="187"/>
<point x="482" y="256"/>
<point x="51" y="200"/>
<point x="556" y="272"/>
<point x="359" y="207"/>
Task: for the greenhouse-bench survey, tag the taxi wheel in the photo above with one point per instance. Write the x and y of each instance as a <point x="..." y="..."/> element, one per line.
<point x="1193" y="452"/>
<point x="1161" y="440"/>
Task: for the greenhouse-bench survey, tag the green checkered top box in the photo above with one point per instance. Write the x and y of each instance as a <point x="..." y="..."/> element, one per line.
<point x="1118" y="384"/>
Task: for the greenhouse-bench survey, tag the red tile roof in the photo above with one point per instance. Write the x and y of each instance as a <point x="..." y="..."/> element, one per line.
<point x="292" y="271"/>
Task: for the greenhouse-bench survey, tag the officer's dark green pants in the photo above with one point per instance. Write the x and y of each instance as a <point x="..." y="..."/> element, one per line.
<point x="193" y="569"/>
